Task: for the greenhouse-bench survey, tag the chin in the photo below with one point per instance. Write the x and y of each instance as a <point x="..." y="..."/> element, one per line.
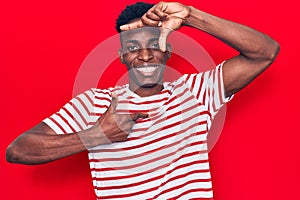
<point x="148" y="85"/>
<point x="148" y="82"/>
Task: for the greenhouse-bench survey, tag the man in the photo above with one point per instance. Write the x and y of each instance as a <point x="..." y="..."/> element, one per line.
<point x="148" y="139"/>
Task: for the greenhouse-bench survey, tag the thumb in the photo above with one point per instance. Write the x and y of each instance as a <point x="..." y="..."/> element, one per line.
<point x="132" y="25"/>
<point x="164" y="33"/>
<point x="114" y="103"/>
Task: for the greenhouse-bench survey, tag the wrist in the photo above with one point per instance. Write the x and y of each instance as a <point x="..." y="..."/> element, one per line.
<point x="196" y="18"/>
<point x="92" y="137"/>
<point x="186" y="15"/>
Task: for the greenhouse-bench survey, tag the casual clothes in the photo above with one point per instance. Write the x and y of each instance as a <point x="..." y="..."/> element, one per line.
<point x="166" y="155"/>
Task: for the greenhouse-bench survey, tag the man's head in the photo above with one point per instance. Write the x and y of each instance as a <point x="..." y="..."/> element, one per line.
<point x="140" y="50"/>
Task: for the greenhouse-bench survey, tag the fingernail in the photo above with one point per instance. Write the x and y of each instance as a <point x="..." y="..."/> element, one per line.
<point x="122" y="27"/>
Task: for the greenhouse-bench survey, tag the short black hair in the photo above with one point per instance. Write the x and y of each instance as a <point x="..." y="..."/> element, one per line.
<point x="132" y="12"/>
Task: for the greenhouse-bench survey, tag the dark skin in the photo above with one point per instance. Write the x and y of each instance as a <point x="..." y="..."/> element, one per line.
<point x="140" y="50"/>
<point x="257" y="51"/>
<point x="41" y="144"/>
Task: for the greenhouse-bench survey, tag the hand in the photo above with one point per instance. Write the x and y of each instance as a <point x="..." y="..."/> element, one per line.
<point x="167" y="16"/>
<point x="116" y="127"/>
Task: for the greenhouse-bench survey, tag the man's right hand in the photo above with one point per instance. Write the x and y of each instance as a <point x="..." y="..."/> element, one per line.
<point x="114" y="127"/>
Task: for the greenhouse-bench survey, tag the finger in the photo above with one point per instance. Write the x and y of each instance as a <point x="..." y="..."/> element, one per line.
<point x="153" y="16"/>
<point x="162" y="6"/>
<point x="164" y="33"/>
<point x="159" y="12"/>
<point x="136" y="116"/>
<point x="114" y="103"/>
<point x="132" y="25"/>
<point x="150" y="22"/>
<point x="120" y="138"/>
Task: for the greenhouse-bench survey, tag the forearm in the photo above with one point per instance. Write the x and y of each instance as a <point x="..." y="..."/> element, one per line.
<point x="37" y="147"/>
<point x="249" y="42"/>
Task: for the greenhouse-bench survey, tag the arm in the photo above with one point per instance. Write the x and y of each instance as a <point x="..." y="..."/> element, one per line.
<point x="41" y="144"/>
<point x="257" y="50"/>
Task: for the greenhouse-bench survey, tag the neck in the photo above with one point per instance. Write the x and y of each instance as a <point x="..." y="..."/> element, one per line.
<point x="146" y="91"/>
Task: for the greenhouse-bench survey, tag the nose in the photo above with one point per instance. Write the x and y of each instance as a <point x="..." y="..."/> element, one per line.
<point x="145" y="54"/>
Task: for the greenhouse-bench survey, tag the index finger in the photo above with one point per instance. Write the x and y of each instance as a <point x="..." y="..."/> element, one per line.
<point x="132" y="25"/>
<point x="136" y="116"/>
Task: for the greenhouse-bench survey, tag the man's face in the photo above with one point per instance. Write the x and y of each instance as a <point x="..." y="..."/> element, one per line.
<point x="142" y="56"/>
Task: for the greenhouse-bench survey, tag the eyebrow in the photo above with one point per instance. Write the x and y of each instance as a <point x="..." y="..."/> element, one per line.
<point x="132" y="41"/>
<point x="137" y="41"/>
<point x="153" y="39"/>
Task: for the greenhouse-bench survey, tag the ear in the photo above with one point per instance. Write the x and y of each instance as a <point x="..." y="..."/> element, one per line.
<point x="121" y="55"/>
<point x="169" y="50"/>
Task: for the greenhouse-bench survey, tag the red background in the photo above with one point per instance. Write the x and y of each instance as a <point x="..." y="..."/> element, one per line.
<point x="43" y="44"/>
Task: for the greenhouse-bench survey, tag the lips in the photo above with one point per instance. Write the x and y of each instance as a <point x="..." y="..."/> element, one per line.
<point x="147" y="69"/>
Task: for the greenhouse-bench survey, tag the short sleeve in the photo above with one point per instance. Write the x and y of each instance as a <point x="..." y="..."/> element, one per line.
<point x="74" y="116"/>
<point x="208" y="88"/>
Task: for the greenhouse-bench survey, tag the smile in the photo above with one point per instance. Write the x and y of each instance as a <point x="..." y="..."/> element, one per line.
<point x="147" y="69"/>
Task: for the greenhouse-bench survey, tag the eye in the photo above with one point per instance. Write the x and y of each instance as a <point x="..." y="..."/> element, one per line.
<point x="154" y="45"/>
<point x="133" y="48"/>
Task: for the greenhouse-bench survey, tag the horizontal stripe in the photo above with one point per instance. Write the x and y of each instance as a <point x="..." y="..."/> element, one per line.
<point x="154" y="178"/>
<point x="164" y="165"/>
<point x="182" y="185"/>
<point x="183" y="165"/>
<point x="143" y="102"/>
<point x="153" y="189"/>
<point x="165" y="155"/>
<point x="148" y="161"/>
<point x="152" y="141"/>
<point x="196" y="190"/>
<point x="144" y="153"/>
<point x="101" y="98"/>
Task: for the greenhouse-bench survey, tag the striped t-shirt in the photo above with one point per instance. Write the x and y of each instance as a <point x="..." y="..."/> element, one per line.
<point x="166" y="155"/>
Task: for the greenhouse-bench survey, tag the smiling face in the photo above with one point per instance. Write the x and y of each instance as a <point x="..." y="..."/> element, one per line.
<point x="144" y="60"/>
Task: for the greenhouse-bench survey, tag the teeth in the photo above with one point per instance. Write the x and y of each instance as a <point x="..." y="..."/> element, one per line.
<point x="146" y="69"/>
